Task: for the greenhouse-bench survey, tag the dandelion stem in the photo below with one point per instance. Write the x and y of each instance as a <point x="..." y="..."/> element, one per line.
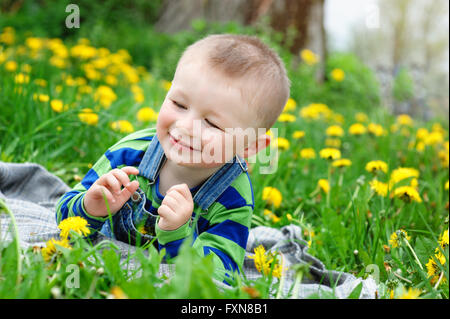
<point x="298" y="280"/>
<point x="329" y="183"/>
<point x="16" y="237"/>
<point x="402" y="278"/>
<point x="413" y="252"/>
<point x="280" y="287"/>
<point x="439" y="280"/>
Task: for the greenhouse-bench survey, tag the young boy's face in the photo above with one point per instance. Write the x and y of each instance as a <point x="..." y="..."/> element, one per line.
<point x="197" y="114"/>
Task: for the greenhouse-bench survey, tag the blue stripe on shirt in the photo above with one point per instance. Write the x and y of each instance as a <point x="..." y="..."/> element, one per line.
<point x="231" y="230"/>
<point x="89" y="179"/>
<point x="231" y="198"/>
<point x="172" y="247"/>
<point x="126" y="155"/>
<point x="228" y="263"/>
<point x="65" y="200"/>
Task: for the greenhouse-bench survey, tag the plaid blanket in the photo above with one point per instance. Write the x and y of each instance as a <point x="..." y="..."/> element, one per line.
<point x="31" y="193"/>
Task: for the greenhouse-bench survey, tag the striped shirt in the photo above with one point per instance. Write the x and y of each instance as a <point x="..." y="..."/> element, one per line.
<point x="222" y="230"/>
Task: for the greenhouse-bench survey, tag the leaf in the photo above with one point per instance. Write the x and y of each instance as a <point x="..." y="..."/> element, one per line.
<point x="424" y="248"/>
<point x="356" y="292"/>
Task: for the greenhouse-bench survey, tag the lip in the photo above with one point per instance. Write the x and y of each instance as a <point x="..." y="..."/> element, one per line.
<point x="179" y="144"/>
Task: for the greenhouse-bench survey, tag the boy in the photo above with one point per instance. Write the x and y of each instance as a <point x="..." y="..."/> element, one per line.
<point x="157" y="180"/>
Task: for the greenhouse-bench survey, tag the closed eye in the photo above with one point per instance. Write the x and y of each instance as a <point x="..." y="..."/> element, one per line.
<point x="213" y="125"/>
<point x="179" y="105"/>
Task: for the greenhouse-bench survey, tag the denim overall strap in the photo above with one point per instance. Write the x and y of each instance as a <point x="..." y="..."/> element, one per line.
<point x="219" y="182"/>
<point x="152" y="160"/>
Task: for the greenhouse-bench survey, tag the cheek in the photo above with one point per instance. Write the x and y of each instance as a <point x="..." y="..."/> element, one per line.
<point x="165" y="117"/>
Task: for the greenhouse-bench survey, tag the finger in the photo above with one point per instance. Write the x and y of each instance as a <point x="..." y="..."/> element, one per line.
<point x="128" y="191"/>
<point x="121" y="176"/>
<point x="113" y="183"/>
<point x="171" y="202"/>
<point x="165" y="212"/>
<point x="105" y="191"/>
<point x="176" y="195"/>
<point x="183" y="189"/>
<point x="130" y="170"/>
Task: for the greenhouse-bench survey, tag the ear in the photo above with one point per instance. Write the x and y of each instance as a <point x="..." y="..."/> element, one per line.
<point x="261" y="143"/>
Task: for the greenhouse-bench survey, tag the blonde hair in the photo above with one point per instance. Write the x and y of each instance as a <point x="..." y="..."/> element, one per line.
<point x="266" y="84"/>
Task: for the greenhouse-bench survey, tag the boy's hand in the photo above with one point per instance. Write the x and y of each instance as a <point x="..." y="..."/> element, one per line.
<point x="110" y="183"/>
<point x="176" y="207"/>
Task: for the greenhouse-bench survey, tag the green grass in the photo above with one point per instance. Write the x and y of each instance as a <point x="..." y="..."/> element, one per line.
<point x="349" y="233"/>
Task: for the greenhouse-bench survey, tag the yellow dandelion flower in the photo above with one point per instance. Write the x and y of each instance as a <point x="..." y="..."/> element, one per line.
<point x="324" y="185"/>
<point x="315" y="111"/>
<point x="281" y="143"/>
<point x="402" y="173"/>
<point x="105" y="95"/>
<point x="41" y="97"/>
<point x="333" y="142"/>
<point x="420" y="147"/>
<point x="57" y="105"/>
<point x="285" y="117"/>
<point x="434" y="138"/>
<point x="309" y="57"/>
<point x="88" y="116"/>
<point x="444" y="157"/>
<point x="307" y="153"/>
<point x="404" y="119"/>
<point x="344" y="162"/>
<point x="298" y="134"/>
<point x="272" y="196"/>
<point x="396" y="238"/>
<point x="50" y="248"/>
<point x="40" y="82"/>
<point x="407" y="194"/>
<point x="434" y="271"/>
<point x="290" y="105"/>
<point x="335" y="130"/>
<point x="267" y="212"/>
<point x="122" y="126"/>
<point x="374" y="166"/>
<point x="357" y="129"/>
<point x="338" y="75"/>
<point x="77" y="224"/>
<point x="411" y="293"/>
<point x="361" y="117"/>
<point x="446" y="186"/>
<point x="147" y="114"/>
<point x="11" y="66"/>
<point x="379" y="187"/>
<point x="375" y="129"/>
<point x="443" y="240"/>
<point x="330" y="153"/>
<point x="21" y="78"/>
<point x="8" y="36"/>
<point x="263" y="261"/>
<point x="421" y="133"/>
<point x="275" y="218"/>
<point x="117" y="293"/>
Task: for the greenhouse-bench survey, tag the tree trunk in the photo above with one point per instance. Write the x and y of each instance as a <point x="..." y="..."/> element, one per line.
<point x="300" y="21"/>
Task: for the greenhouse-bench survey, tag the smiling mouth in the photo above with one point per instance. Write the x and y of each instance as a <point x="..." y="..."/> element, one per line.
<point x="180" y="144"/>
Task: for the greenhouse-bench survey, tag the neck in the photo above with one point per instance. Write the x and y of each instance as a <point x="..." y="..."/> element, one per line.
<point x="176" y="174"/>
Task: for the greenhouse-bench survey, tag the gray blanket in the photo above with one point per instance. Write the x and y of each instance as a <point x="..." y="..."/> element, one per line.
<point x="31" y="193"/>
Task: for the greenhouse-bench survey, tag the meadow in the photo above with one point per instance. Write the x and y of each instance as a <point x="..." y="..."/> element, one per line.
<point x="369" y="189"/>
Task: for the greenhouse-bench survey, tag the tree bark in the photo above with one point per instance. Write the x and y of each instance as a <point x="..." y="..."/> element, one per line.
<point x="300" y="21"/>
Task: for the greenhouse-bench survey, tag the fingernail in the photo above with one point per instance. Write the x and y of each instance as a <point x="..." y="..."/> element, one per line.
<point x="128" y="184"/>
